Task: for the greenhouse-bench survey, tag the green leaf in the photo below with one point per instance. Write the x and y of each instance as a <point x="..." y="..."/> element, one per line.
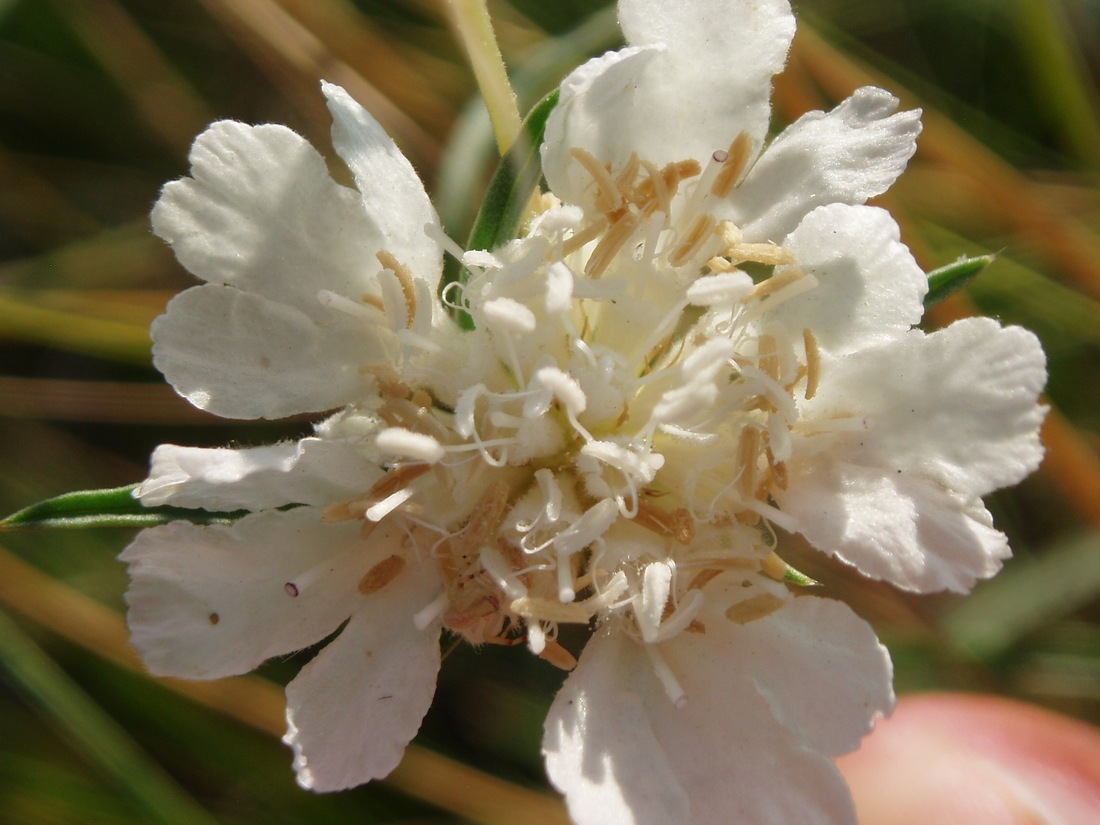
<point x="114" y="507"/>
<point x="506" y="198"/>
<point x="947" y="279"/>
<point x="102" y="741"/>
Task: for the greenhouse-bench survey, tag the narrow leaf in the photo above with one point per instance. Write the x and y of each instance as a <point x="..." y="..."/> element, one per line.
<point x="97" y="736"/>
<point x="114" y="507"/>
<point x="947" y="279"/>
<point x="498" y="220"/>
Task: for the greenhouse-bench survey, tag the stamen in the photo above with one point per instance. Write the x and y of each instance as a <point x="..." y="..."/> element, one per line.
<point x="777" y="282"/>
<point x="696" y="237"/>
<point x="813" y="363"/>
<point x="558" y="656"/>
<point x="677" y="524"/>
<point x="404" y="277"/>
<point x="748" y="448"/>
<point x="583" y="236"/>
<point x="624" y="181"/>
<point x="768" y="356"/>
<point x="736" y="160"/>
<point x="610" y="244"/>
<point x="608" y="198"/>
<point x="381" y="574"/>
<point x="703" y="578"/>
<point x="761" y="253"/>
<point x="756" y="607"/>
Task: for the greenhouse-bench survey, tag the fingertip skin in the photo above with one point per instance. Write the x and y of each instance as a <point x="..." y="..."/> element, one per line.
<point x="975" y="759"/>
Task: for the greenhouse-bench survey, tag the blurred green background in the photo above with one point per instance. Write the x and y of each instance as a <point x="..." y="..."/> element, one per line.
<point x="99" y="101"/>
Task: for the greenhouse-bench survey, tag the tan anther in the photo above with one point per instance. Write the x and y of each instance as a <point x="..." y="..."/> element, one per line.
<point x="776" y="476"/>
<point x="703" y="578"/>
<point x="583" y="236"/>
<point x="720" y="264"/>
<point x="404" y="277"/>
<point x="374" y="301"/>
<point x="696" y="626"/>
<point x="652" y="194"/>
<point x="769" y="356"/>
<point x="698" y="235"/>
<point x="421" y="399"/>
<point x="486" y="517"/>
<point x="730" y="234"/>
<point x="381" y="574"/>
<point x="774" y="284"/>
<point x="768" y="254"/>
<point x="624" y="181"/>
<point x="813" y="363"/>
<point x="386" y="486"/>
<point x="389" y="382"/>
<point x="668" y="180"/>
<point x="610" y="244"/>
<point x="676" y="524"/>
<point x="662" y="347"/>
<point x="748" y="448"/>
<point x="558" y="656"/>
<point x="754" y="608"/>
<point x="736" y="161"/>
<point x="608" y="198"/>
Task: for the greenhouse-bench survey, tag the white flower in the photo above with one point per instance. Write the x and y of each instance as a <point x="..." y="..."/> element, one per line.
<point x="622" y="441"/>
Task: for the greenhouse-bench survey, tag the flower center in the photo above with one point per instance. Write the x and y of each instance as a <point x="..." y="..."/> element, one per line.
<point x="628" y="417"/>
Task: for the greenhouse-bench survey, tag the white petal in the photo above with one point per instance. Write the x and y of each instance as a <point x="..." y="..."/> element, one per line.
<point x="244" y="355"/>
<point x="747" y="38"/>
<point x="214" y="601"/>
<point x="958" y="407"/>
<point x="623" y="753"/>
<point x="594" y="90"/>
<point x="698" y="75"/>
<point x="262" y="213"/>
<point x="353" y="709"/>
<point x="392" y="195"/>
<point x="896" y="527"/>
<point x="847" y="155"/>
<point x="870" y="290"/>
<point x="851" y="671"/>
<point x="311" y="471"/>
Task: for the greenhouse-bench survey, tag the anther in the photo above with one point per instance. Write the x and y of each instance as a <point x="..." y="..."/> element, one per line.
<point x="813" y="363"/>
<point x="404" y="277"/>
<point x="732" y="165"/>
<point x="381" y="574"/>
<point x="756" y="607"/>
<point x="610" y="244"/>
<point x="608" y="198"/>
<point x="696" y="237"/>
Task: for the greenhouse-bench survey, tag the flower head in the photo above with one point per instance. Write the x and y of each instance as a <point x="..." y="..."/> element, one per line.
<point x="700" y="345"/>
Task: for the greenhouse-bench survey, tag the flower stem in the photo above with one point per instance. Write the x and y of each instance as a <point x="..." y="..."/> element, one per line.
<point x="475" y="29"/>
